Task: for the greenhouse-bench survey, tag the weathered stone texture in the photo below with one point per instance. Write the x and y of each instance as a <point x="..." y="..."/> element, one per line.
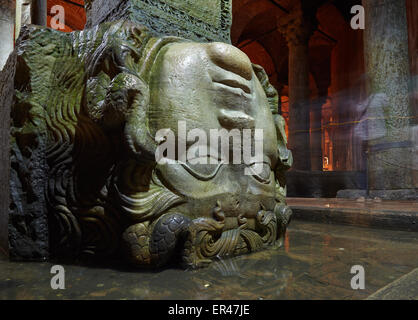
<point x="6" y="98"/>
<point x="198" y="20"/>
<point x="404" y="288"/>
<point x="28" y="225"/>
<point x="7" y="13"/>
<point x="390" y="157"/>
<point x="84" y="175"/>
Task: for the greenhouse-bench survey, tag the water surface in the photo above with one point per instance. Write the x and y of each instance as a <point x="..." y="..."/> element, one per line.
<point x="314" y="263"/>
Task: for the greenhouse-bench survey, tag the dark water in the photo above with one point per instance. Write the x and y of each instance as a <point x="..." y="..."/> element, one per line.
<point x="314" y="263"/>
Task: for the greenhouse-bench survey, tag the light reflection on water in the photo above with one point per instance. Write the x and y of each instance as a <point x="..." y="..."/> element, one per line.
<point x="314" y="263"/>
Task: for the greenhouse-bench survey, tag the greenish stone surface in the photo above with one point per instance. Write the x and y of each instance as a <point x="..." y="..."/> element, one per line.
<point x="6" y="100"/>
<point x="85" y="180"/>
<point x="198" y="20"/>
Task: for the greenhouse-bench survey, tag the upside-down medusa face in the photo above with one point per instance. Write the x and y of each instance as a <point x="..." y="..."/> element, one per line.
<point x="212" y="87"/>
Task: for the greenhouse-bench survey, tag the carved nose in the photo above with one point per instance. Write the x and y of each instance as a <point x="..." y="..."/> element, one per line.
<point x="231" y="59"/>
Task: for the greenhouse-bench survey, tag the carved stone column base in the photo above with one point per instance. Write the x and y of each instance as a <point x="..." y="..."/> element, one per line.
<point x="200" y="20"/>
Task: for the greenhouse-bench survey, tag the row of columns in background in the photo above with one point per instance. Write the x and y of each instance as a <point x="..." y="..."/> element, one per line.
<point x="391" y="158"/>
<point x="298" y="27"/>
<point x="305" y="141"/>
<point x="11" y="15"/>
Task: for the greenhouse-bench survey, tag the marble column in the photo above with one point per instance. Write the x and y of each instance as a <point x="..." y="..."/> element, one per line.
<point x="297" y="28"/>
<point x="23" y="15"/>
<point x="7" y="16"/>
<point x="412" y="12"/>
<point x="390" y="160"/>
<point x="198" y="20"/>
<point x="39" y="12"/>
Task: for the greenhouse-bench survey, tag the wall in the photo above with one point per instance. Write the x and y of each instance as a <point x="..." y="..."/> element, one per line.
<point x="7" y="16"/>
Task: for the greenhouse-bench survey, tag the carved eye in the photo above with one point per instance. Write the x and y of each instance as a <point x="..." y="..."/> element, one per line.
<point x="261" y="171"/>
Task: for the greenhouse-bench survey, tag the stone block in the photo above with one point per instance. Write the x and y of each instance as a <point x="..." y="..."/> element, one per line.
<point x="198" y="20"/>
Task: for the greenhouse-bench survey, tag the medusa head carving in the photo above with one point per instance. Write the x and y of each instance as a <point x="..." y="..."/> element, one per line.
<point x="88" y="108"/>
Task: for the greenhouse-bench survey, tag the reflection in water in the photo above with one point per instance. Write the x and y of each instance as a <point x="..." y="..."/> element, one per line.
<point x="227" y="268"/>
<point x="317" y="267"/>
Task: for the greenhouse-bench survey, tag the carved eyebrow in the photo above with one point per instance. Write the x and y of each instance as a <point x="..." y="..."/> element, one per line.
<point x="230" y="59"/>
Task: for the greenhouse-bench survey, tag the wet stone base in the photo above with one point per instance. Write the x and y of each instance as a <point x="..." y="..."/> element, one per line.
<point x="404" y="288"/>
<point x="363" y="212"/>
<point x="401" y="194"/>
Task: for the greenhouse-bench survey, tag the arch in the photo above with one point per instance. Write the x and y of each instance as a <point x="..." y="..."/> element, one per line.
<point x="260" y="31"/>
<point x="244" y="11"/>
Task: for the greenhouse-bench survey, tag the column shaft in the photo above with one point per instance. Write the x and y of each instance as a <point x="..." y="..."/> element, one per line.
<point x="299" y="105"/>
<point x="39" y="12"/>
<point x="386" y="59"/>
<point x="316" y="134"/>
<point x="297" y="27"/>
<point x="7" y="16"/>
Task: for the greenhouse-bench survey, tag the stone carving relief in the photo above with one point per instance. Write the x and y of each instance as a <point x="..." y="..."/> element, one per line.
<point x="199" y="20"/>
<point x="86" y="109"/>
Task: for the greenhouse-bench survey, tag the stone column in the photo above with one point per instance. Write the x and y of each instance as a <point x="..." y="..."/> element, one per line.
<point x="390" y="161"/>
<point x="320" y="54"/>
<point x="39" y="12"/>
<point x="412" y="12"/>
<point x="23" y="15"/>
<point x="7" y="17"/>
<point x="316" y="133"/>
<point x="297" y="28"/>
<point x="198" y="20"/>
